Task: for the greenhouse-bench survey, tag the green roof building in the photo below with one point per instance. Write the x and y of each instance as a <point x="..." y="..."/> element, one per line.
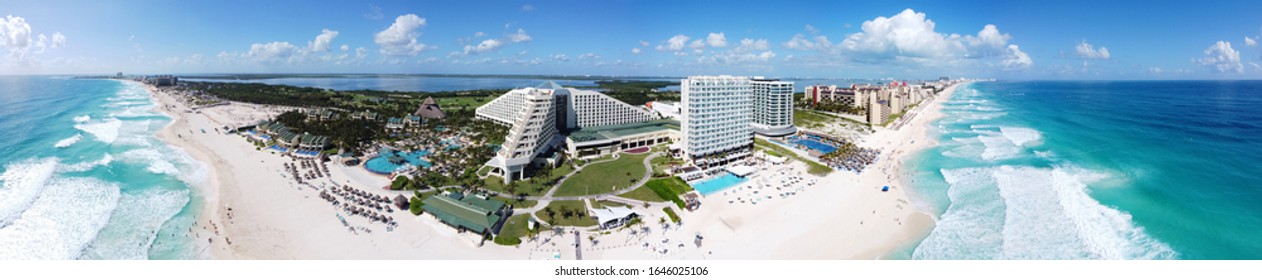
<point x="472" y="213"/>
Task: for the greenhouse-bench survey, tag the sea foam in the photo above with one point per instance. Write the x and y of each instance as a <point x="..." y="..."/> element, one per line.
<point x="135" y="224"/>
<point x="64" y="219"/>
<point x="23" y="183"/>
<point x="104" y="131"/>
<point x="1022" y="212"/>
<point x="69" y="141"/>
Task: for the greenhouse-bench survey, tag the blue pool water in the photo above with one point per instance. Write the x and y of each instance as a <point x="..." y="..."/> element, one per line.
<point x="812" y="144"/>
<point x="382" y="165"/>
<point x="717" y="184"/>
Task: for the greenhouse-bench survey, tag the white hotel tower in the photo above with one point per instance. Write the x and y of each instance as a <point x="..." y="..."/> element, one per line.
<point x="773" y="107"/>
<point x="717" y="112"/>
<point x="538" y="116"/>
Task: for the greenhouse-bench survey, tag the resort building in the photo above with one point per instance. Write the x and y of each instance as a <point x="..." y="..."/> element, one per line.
<point x="538" y="115"/>
<point x="530" y="135"/>
<point x="598" y="141"/>
<point x="590" y="108"/>
<point x="773" y="107"/>
<point x="477" y="214"/>
<point x="575" y="108"/>
<point x="851" y="96"/>
<point x="614" y="217"/>
<point x="429" y="109"/>
<point x="665" y="109"/>
<point x="394" y="123"/>
<point x="717" y="113"/>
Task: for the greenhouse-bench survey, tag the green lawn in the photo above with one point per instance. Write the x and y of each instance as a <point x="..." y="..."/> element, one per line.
<point x="515" y="230"/>
<point x="662" y="163"/>
<point x="485" y="170"/>
<point x="661" y="189"/>
<point x="578" y="217"/>
<point x="605" y="177"/>
<point x="670" y="212"/>
<point x="815" y="167"/>
<point x="516" y="204"/>
<point x="531" y="186"/>
<point x="453" y="103"/>
<point x="606" y="204"/>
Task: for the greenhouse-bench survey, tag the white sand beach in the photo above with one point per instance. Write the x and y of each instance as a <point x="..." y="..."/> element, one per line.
<point x="843" y="216"/>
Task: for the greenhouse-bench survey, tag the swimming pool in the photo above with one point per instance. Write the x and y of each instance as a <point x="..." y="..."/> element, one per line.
<point x="717" y="184"/>
<point x="812" y="144"/>
<point x="381" y="163"/>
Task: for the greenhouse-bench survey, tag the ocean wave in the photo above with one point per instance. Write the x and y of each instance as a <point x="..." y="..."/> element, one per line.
<point x="23" y="183"/>
<point x="1021" y="135"/>
<point x="62" y="222"/>
<point x="134" y="225"/>
<point x="82" y="119"/>
<point x="104" y="131"/>
<point x="69" y="141"/>
<point x="85" y="166"/>
<point x="1039" y="213"/>
<point x="136" y="112"/>
<point x="157" y="162"/>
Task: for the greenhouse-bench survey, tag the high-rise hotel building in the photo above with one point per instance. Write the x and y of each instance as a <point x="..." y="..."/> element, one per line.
<point x="538" y="116"/>
<point x="773" y="107"/>
<point x="717" y="112"/>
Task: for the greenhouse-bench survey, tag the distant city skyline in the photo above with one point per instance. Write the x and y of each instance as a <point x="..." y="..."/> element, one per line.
<point x="816" y="39"/>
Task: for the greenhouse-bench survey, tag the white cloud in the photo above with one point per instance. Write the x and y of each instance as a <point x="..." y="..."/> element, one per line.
<point x="1222" y="58"/>
<point x="644" y="43"/>
<point x="478" y="34"/>
<point x="58" y="40"/>
<point x="518" y="37"/>
<point x="485" y="46"/>
<point x="1250" y="42"/>
<point x="753" y="45"/>
<point x="527" y="8"/>
<point x="696" y="44"/>
<point x="812" y="29"/>
<point x="907" y="34"/>
<point x="635" y="50"/>
<point x="675" y="43"/>
<point x="561" y="57"/>
<point x="400" y="38"/>
<point x="273" y="51"/>
<point x="14" y="32"/>
<point x="1085" y="50"/>
<point x="588" y="56"/>
<point x="799" y="42"/>
<point x="1016" y="59"/>
<point x="717" y="40"/>
<point x="374" y="12"/>
<point x="910" y="38"/>
<point x="361" y="52"/>
<point x="346" y="48"/>
<point x="1154" y="70"/>
<point x="322" y="41"/>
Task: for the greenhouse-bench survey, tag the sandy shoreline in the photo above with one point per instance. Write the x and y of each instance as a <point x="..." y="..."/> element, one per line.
<point x="844" y="216"/>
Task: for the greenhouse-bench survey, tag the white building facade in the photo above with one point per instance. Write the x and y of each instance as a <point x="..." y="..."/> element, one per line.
<point x="717" y="112"/>
<point x="773" y="107"/>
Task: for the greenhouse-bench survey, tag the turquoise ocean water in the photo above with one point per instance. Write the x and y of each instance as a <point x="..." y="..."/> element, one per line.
<point x="82" y="176"/>
<point x="1095" y="170"/>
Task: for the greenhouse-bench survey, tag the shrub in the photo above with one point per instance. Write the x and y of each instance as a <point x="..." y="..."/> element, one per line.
<point x="507" y="241"/>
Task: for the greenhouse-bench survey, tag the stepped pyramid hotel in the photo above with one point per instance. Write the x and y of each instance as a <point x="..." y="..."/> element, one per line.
<point x="720" y="115"/>
<point x="539" y="116"/>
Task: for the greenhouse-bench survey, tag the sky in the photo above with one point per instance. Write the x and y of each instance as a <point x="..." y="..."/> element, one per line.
<point x="792" y="39"/>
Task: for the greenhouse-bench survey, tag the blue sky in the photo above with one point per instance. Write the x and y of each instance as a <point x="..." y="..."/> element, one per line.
<point x="827" y="39"/>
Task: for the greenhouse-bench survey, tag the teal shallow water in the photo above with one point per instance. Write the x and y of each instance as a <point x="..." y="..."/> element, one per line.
<point x="1094" y="170"/>
<point x="83" y="177"/>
